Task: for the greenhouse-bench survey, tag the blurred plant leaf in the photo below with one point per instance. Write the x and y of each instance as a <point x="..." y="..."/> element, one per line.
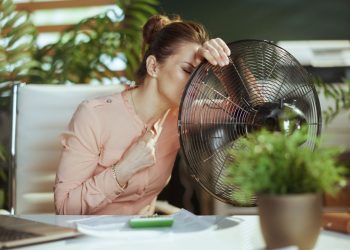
<point x="2" y="154"/>
<point x="17" y="43"/>
<point x="87" y="50"/>
<point x="2" y="198"/>
<point x="339" y="93"/>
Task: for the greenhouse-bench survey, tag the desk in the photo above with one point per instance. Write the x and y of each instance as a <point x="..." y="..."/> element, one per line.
<point x="235" y="232"/>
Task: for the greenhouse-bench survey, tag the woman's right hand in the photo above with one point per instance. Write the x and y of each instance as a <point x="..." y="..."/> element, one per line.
<point x="141" y="154"/>
<point x="215" y="51"/>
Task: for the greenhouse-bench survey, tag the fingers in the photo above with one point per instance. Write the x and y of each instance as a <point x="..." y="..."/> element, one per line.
<point x="224" y="46"/>
<point x="216" y="52"/>
<point x="223" y="56"/>
<point x="207" y="55"/>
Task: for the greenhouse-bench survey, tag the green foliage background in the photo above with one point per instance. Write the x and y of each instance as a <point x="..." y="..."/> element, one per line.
<point x="84" y="51"/>
<point x="340" y="94"/>
<point x="17" y="39"/>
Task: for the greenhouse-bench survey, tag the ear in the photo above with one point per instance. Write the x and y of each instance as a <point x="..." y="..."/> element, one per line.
<point x="152" y="66"/>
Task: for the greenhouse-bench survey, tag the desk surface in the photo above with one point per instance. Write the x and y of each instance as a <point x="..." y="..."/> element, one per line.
<point x="236" y="232"/>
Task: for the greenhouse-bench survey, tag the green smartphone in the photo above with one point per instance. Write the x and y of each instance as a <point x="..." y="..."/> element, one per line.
<point x="151" y="221"/>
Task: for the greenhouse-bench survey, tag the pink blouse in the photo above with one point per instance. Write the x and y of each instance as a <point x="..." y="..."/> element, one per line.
<point x="98" y="134"/>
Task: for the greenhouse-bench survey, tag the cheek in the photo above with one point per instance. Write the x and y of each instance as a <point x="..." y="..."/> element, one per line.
<point x="179" y="76"/>
<point x="179" y="86"/>
<point x="174" y="84"/>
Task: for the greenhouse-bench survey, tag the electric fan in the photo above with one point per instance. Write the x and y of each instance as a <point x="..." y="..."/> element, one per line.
<point x="263" y="87"/>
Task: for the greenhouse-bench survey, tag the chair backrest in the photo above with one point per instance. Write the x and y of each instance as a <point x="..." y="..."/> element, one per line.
<point x="40" y="113"/>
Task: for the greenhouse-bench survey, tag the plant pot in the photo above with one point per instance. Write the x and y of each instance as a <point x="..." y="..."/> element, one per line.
<point x="290" y="220"/>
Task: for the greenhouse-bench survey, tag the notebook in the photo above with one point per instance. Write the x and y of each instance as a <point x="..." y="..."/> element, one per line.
<point x="15" y="232"/>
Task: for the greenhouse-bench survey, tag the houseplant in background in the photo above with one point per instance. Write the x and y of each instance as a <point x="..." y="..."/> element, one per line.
<point x="338" y="93"/>
<point x="87" y="51"/>
<point x="335" y="104"/>
<point x="288" y="181"/>
<point x="17" y="47"/>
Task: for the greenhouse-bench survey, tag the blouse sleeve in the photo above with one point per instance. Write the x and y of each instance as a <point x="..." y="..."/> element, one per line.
<point x="77" y="190"/>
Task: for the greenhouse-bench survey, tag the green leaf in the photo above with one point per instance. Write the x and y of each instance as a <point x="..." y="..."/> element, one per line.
<point x="132" y="59"/>
<point x="340" y="94"/>
<point x="25" y="69"/>
<point x="25" y="47"/>
<point x="14" y="19"/>
<point x="151" y="2"/>
<point x="144" y="8"/>
<point x="15" y="58"/>
<point x="2" y="154"/>
<point x="137" y="16"/>
<point x="26" y="29"/>
<point x="7" y="7"/>
<point x="3" y="57"/>
<point x="132" y="26"/>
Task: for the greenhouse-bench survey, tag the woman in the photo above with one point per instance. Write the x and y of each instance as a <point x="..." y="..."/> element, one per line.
<point x="119" y="151"/>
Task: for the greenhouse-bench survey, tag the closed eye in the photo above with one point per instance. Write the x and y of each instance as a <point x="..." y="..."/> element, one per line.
<point x="188" y="67"/>
<point x="188" y="71"/>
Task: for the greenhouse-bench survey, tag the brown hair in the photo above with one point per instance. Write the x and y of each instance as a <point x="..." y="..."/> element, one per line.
<point x="162" y="35"/>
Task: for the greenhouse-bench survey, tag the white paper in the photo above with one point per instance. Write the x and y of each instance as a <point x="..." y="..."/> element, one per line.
<point x="117" y="227"/>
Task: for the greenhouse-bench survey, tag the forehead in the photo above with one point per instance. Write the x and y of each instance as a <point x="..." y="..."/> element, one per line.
<point x="186" y="52"/>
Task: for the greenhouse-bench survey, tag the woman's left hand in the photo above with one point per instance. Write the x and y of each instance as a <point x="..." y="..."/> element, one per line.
<point x="215" y="51"/>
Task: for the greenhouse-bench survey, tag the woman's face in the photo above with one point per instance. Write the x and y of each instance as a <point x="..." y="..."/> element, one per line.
<point x="175" y="72"/>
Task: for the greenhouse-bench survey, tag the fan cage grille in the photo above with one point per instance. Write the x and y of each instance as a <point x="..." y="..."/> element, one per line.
<point x="221" y="104"/>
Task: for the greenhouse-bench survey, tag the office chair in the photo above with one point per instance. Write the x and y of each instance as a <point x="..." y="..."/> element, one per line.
<point x="40" y="113"/>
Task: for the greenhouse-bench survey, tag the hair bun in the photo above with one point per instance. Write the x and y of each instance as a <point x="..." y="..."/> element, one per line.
<point x="153" y="25"/>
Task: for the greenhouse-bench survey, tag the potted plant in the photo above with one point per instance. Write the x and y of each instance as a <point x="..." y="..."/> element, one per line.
<point x="288" y="180"/>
